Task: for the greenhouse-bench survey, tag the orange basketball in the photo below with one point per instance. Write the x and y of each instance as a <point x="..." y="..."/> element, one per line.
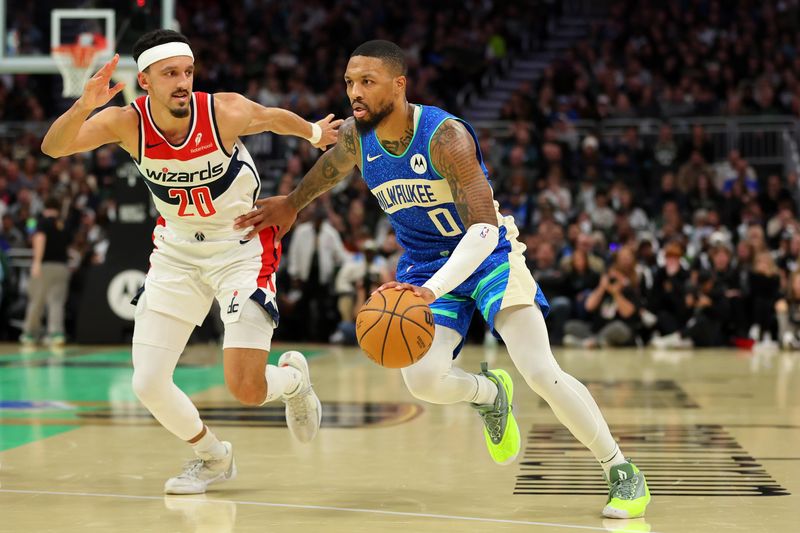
<point x="395" y="328"/>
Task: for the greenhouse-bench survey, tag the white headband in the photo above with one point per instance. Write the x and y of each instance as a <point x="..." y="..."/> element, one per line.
<point x="163" y="51"/>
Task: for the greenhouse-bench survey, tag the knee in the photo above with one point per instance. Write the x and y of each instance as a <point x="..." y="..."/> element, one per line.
<point x="422" y="385"/>
<point x="248" y="391"/>
<point x="148" y="387"/>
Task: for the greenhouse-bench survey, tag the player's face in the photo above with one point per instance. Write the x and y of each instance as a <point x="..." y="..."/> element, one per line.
<point x="372" y="90"/>
<point x="169" y="83"/>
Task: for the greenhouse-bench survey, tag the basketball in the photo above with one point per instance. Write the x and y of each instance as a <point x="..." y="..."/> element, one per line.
<point x="395" y="328"/>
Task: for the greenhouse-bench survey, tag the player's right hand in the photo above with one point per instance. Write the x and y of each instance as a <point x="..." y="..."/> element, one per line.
<point x="276" y="211"/>
<point x="330" y="131"/>
<point x="96" y="92"/>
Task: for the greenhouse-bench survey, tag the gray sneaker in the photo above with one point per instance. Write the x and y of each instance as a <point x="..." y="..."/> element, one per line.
<point x="199" y="473"/>
<point x="628" y="494"/>
<point x="303" y="408"/>
<point x="499" y="425"/>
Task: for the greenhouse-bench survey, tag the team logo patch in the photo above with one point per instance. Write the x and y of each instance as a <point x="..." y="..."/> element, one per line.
<point x="233" y="306"/>
<point x="419" y="164"/>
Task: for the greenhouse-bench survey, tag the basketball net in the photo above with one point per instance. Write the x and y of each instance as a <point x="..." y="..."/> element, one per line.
<point x="76" y="62"/>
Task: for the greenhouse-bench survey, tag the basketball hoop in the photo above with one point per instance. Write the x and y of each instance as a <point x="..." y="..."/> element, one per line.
<point x="77" y="61"/>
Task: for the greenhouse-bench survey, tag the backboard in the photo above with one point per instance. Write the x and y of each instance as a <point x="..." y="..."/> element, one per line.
<point x="30" y="29"/>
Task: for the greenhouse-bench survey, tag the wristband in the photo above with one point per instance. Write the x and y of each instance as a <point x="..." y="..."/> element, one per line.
<point x="316" y="133"/>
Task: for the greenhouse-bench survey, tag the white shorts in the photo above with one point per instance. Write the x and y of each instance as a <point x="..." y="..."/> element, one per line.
<point x="185" y="275"/>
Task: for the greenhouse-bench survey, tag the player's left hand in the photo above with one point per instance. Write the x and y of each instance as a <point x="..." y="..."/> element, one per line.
<point x="423" y="292"/>
<point x="330" y="132"/>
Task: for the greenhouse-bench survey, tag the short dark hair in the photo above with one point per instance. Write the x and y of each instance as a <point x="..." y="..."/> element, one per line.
<point x="155" y="38"/>
<point x="386" y="51"/>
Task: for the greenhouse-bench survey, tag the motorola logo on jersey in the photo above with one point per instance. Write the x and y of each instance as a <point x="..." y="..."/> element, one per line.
<point x="166" y="176"/>
<point x="419" y="164"/>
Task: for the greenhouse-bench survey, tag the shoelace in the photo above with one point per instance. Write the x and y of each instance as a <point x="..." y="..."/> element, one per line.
<point x="192" y="468"/>
<point x="493" y="421"/>
<point x="298" y="405"/>
<point x="624" y="489"/>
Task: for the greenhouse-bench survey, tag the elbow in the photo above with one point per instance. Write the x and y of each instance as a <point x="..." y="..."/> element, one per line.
<point x="51" y="151"/>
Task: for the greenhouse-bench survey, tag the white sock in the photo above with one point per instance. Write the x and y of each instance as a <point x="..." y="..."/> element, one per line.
<point x="209" y="447"/>
<point x="612" y="459"/>
<point x="282" y="381"/>
<point x="486" y="390"/>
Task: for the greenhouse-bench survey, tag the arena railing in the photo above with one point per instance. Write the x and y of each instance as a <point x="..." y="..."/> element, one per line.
<point x="762" y="140"/>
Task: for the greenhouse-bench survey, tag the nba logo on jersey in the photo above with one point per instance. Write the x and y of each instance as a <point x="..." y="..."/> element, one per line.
<point x="418" y="164"/>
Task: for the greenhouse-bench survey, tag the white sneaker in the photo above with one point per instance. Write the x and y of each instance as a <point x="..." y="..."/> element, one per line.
<point x="198" y="474"/>
<point x="303" y="408"/>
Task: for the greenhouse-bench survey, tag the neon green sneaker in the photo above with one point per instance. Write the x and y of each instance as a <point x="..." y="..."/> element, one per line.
<point x="500" y="427"/>
<point x="628" y="494"/>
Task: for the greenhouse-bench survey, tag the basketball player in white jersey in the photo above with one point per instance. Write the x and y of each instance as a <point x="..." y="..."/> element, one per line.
<point x="186" y="145"/>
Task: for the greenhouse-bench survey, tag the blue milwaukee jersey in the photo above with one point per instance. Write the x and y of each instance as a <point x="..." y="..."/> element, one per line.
<point x="417" y="200"/>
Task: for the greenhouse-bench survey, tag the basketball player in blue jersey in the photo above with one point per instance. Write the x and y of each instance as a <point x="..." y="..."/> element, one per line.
<point x="426" y="170"/>
<point x="187" y="148"/>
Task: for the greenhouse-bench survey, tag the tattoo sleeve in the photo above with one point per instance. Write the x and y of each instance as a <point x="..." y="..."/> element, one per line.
<point x="334" y="166"/>
<point x="453" y="156"/>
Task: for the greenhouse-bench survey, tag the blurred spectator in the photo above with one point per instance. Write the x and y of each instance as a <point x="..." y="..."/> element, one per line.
<point x="764" y="285"/>
<point x="363" y="269"/>
<point x="613" y="308"/>
<point x="314" y="253"/>
<point x="667" y="297"/>
<point x="49" y="279"/>
<point x="788" y="314"/>
<point x="10" y="235"/>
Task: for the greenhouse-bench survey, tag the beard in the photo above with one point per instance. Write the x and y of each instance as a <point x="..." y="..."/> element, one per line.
<point x="180" y="112"/>
<point x="369" y="123"/>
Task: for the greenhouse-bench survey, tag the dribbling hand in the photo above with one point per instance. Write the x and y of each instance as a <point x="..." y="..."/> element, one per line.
<point x="423" y="292"/>
<point x="330" y="132"/>
<point x="96" y="92"/>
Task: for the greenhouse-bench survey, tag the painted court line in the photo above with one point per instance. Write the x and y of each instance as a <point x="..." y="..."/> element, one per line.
<point x="311" y="507"/>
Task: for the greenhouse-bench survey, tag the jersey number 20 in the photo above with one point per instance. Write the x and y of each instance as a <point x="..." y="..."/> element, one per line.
<point x="201" y="199"/>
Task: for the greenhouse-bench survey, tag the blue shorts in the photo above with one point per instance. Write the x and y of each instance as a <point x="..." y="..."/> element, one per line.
<point x="503" y="280"/>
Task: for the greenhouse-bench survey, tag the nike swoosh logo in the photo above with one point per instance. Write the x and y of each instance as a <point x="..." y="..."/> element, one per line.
<point x="244" y="242"/>
<point x="371" y="158"/>
<point x="153" y="145"/>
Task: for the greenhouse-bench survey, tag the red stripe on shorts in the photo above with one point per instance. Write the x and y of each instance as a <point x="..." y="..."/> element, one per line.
<point x="159" y="222"/>
<point x="270" y="257"/>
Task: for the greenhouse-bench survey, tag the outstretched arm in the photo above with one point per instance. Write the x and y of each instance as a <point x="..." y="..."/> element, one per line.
<point x="333" y="167"/>
<point x="245" y="117"/>
<point x="454" y="157"/>
<point x="72" y="132"/>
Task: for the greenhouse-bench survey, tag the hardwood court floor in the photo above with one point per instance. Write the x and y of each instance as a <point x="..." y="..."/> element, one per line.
<point x="716" y="432"/>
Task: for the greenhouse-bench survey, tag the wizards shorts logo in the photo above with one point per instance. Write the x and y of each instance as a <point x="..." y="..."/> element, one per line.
<point x="233" y="306"/>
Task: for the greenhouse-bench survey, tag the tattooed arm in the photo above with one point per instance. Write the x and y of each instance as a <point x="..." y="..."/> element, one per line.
<point x="329" y="169"/>
<point x="454" y="157"/>
<point x="334" y="166"/>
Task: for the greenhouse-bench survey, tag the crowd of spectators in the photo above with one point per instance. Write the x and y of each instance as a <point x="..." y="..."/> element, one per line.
<point x="672" y="58"/>
<point x="635" y="240"/>
<point x="293" y="54"/>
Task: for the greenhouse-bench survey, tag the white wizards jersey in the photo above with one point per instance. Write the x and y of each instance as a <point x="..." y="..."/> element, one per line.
<point x="198" y="188"/>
